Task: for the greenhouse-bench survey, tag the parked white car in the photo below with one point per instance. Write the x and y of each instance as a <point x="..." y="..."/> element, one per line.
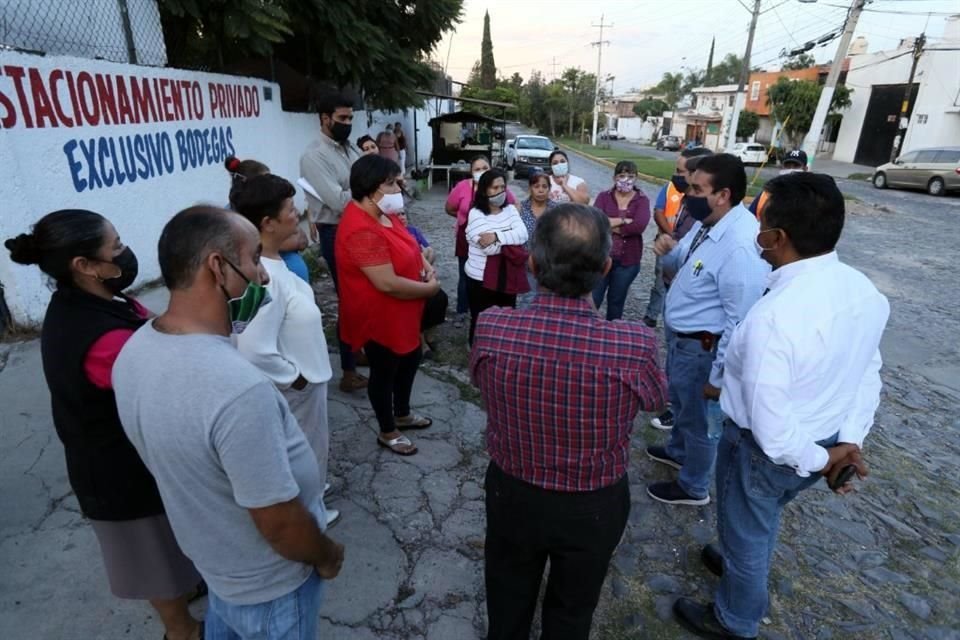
<point x="528" y="152"/>
<point x="749" y="152"/>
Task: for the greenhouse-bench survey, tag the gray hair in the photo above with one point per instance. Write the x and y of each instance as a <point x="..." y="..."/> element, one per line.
<point x="570" y="247"/>
<point x="189" y="237"/>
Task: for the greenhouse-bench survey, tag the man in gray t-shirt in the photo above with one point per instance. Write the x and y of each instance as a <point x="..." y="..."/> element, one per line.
<point x="238" y="479"/>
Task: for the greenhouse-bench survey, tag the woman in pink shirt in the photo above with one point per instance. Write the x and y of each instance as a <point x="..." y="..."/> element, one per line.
<point x="387" y="143"/>
<point x="458" y="206"/>
<point x="88" y="321"/>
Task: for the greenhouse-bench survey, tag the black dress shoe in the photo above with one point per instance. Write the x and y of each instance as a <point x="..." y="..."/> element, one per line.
<point x="712" y="559"/>
<point x="700" y="620"/>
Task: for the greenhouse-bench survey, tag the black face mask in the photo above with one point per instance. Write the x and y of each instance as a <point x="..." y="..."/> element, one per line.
<point x="340" y="131"/>
<point x="697" y="207"/>
<point x="129" y="267"/>
<point x="679" y="182"/>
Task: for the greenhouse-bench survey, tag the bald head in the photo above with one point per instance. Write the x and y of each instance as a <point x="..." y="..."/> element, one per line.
<point x="571" y="247"/>
<point x="192" y="235"/>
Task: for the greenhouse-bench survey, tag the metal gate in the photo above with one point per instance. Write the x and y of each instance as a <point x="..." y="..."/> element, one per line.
<point x="881" y="123"/>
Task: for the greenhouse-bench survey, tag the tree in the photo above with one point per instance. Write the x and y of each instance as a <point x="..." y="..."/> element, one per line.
<point x="369" y="46"/>
<point x="797" y="100"/>
<point x="671" y="86"/>
<point x="748" y="124"/>
<point x="727" y="71"/>
<point x="488" y="69"/>
<point x="650" y="107"/>
<point x="802" y="61"/>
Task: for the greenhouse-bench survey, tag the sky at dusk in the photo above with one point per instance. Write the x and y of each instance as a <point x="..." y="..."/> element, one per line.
<point x="650" y="37"/>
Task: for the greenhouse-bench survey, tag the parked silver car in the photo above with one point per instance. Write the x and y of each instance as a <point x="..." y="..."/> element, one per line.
<point x="937" y="170"/>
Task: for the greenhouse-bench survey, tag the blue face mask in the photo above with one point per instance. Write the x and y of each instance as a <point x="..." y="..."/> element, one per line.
<point x="697" y="207"/>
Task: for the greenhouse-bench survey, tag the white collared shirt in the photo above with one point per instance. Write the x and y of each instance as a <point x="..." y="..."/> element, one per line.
<point x="805" y="362"/>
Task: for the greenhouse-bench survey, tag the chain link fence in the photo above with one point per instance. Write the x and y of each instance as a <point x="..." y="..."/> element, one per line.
<point x="115" y="30"/>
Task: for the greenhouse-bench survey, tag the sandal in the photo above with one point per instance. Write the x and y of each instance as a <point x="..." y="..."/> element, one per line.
<point x="401" y="441"/>
<point x="412" y="421"/>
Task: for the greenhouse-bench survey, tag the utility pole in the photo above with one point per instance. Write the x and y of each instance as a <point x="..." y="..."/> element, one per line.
<point x="741" y="98"/>
<point x="596" y="94"/>
<point x="905" y="105"/>
<point x="812" y="140"/>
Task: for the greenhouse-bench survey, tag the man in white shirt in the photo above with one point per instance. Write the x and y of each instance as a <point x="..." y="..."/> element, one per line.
<point x="801" y="385"/>
<point x="325" y="165"/>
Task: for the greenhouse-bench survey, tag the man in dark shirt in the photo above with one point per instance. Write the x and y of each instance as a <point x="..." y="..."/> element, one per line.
<point x="562" y="388"/>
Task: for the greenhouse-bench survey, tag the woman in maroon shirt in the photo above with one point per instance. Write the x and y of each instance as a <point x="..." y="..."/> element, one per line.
<point x="629" y="212"/>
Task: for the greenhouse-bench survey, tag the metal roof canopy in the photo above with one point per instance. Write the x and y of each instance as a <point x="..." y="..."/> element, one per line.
<point x="463" y="116"/>
<point x="490" y="103"/>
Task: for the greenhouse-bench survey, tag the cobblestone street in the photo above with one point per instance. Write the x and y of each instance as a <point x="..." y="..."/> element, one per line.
<point x="882" y="563"/>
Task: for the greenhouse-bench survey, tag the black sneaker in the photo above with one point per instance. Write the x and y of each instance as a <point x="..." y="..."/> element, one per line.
<point x="701" y="620"/>
<point x="659" y="454"/>
<point x="650" y="322"/>
<point x="671" y="493"/>
<point x="712" y="559"/>
<point x="664" y="421"/>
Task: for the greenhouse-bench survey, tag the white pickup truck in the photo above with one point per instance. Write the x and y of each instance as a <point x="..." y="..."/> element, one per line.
<point x="526" y="152"/>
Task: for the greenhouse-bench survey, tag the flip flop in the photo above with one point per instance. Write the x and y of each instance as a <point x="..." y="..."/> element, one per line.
<point x="393" y="443"/>
<point x="413" y="421"/>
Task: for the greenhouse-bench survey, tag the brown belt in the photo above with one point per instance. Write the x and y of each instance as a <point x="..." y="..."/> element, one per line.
<point x="707" y="340"/>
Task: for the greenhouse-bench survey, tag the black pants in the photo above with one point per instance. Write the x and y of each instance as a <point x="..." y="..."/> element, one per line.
<point x="482" y="299"/>
<point x="391" y="382"/>
<point x="328" y="238"/>
<point x="526" y="525"/>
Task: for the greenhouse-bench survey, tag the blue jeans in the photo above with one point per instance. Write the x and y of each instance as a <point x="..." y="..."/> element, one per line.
<point x="524" y="300"/>
<point x="463" y="301"/>
<point x="658" y="293"/>
<point x="295" y="616"/>
<point x="688" y="370"/>
<point x="328" y="238"/>
<point x="615" y="284"/>
<point x="751" y="494"/>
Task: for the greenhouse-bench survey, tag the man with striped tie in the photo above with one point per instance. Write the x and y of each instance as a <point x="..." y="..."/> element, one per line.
<point x="719" y="274"/>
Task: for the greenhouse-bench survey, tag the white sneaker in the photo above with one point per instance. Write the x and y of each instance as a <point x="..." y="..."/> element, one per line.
<point x="326" y="489"/>
<point x="333" y="516"/>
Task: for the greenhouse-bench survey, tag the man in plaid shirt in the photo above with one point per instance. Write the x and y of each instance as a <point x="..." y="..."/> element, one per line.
<point x="561" y="387"/>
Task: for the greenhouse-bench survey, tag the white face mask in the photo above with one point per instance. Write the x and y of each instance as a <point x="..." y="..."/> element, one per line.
<point x="477" y="174"/>
<point x="561" y="169"/>
<point x="391" y="202"/>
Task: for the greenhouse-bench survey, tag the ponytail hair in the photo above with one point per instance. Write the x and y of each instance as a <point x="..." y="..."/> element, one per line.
<point x="57" y="239"/>
<point x="242" y="170"/>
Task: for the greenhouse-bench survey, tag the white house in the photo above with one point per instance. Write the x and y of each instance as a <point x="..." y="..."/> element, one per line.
<point x="708" y="118"/>
<point x="879" y="81"/>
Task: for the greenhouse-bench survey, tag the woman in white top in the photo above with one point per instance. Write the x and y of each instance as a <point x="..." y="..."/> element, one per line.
<point x="286" y="340"/>
<point x="563" y="186"/>
<point x="491" y="225"/>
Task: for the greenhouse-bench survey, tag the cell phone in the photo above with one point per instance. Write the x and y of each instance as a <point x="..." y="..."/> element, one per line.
<point x="843" y="477"/>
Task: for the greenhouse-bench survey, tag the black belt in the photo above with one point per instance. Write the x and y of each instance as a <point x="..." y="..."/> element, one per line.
<point x="707" y="340"/>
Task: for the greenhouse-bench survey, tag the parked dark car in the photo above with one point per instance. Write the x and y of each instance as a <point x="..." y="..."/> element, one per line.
<point x="668" y="143"/>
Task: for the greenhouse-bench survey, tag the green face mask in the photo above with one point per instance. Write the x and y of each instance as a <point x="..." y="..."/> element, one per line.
<point x="244" y="309"/>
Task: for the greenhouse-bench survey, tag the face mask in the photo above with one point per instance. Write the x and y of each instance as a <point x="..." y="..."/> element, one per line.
<point x="679" y="182"/>
<point x="340" y="131"/>
<point x="477" y="174"/>
<point x="697" y="207"/>
<point x="499" y="199"/>
<point x="127" y="263"/>
<point x="391" y="202"/>
<point x="625" y="184"/>
<point x="244" y="309"/>
<point x="756" y="241"/>
<point x="786" y="172"/>
<point x="560" y="169"/>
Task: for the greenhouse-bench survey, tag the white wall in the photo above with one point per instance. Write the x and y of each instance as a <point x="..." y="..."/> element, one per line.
<point x="86" y="29"/>
<point x="866" y="71"/>
<point x="939" y="97"/>
<point x="47" y="168"/>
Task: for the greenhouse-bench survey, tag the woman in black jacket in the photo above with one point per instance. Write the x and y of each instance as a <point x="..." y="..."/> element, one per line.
<point x="86" y="324"/>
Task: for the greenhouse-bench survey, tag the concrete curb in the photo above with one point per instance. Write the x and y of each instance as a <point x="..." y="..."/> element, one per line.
<point x="643" y="176"/>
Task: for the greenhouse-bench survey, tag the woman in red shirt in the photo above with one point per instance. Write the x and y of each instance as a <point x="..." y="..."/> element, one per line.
<point x="381" y="265"/>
